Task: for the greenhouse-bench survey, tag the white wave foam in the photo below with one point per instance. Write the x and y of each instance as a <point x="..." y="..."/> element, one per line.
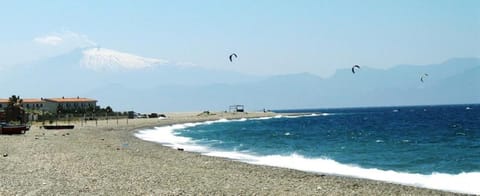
<point x="291" y="116"/>
<point x="294" y="116"/>
<point x="238" y="120"/>
<point x="261" y="118"/>
<point x="168" y="137"/>
<point x="306" y="115"/>
<point x="462" y="183"/>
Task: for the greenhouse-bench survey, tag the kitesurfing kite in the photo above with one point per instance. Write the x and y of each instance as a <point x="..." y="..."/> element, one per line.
<point x="423" y="77"/>
<point x="353" y="68"/>
<point x="231" y="56"/>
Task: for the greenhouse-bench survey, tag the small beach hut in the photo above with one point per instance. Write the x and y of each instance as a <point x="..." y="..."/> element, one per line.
<point x="236" y="108"/>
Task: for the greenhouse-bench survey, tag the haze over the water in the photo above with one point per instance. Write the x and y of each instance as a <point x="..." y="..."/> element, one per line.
<point x="180" y="39"/>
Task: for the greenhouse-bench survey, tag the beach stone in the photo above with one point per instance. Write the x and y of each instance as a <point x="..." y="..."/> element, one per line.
<point x="5" y="155"/>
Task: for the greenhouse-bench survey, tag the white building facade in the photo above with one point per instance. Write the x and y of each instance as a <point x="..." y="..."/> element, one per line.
<point x="52" y="104"/>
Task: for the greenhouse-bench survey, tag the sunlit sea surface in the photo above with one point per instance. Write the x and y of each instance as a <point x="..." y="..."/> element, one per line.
<point x="435" y="147"/>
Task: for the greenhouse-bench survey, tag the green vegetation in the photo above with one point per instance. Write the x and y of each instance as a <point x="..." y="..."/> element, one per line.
<point x="14" y="111"/>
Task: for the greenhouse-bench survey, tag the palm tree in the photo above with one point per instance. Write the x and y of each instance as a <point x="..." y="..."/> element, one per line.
<point x="14" y="101"/>
<point x="14" y="110"/>
<point x="108" y="109"/>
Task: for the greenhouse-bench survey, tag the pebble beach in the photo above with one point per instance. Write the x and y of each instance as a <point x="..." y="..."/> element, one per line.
<point x="105" y="158"/>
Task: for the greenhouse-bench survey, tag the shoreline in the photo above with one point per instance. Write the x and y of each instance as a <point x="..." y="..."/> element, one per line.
<point x="110" y="159"/>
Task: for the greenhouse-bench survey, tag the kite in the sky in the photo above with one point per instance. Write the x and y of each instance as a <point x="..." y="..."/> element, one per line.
<point x="353" y="68"/>
<point x="231" y="57"/>
<point x="423" y="77"/>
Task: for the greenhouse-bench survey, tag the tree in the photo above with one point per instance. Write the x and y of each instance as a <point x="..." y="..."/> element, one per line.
<point x="14" y="110"/>
<point x="60" y="109"/>
<point x="108" y="109"/>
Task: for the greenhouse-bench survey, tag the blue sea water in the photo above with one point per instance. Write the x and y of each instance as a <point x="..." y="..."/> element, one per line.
<point x="435" y="147"/>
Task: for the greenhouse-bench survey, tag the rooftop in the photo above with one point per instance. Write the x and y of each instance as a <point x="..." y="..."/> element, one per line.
<point x="58" y="100"/>
<point x="32" y="100"/>
<point x="68" y="99"/>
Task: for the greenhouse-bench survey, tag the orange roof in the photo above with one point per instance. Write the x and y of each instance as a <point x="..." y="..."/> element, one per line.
<point x="75" y="99"/>
<point x="24" y="100"/>
<point x="59" y="100"/>
<point x="32" y="100"/>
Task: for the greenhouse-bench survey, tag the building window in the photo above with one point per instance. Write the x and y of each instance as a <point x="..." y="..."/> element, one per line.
<point x="0" y="105"/>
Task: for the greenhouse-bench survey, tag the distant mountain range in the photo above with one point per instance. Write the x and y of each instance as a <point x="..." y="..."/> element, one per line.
<point x="129" y="82"/>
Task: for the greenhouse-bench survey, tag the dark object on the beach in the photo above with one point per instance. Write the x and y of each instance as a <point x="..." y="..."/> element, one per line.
<point x="6" y="128"/>
<point x="353" y="68"/>
<point x="102" y="139"/>
<point x="153" y="115"/>
<point x="131" y="114"/>
<point x="67" y="133"/>
<point x="118" y="148"/>
<point x="423" y="77"/>
<point x="162" y="115"/>
<point x="63" y="134"/>
<point x="231" y="57"/>
<point x="141" y="115"/>
<point x="5" y="155"/>
<point x="58" y="126"/>
<point x="180" y="149"/>
<point x="206" y="112"/>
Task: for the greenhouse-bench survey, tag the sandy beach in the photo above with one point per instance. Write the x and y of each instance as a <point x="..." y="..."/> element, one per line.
<point x="105" y="158"/>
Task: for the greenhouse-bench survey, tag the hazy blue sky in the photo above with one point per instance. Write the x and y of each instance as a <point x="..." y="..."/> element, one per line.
<point x="270" y="37"/>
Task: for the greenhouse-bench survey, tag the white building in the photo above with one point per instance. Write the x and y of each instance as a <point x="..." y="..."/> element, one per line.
<point x="70" y="103"/>
<point x="52" y="104"/>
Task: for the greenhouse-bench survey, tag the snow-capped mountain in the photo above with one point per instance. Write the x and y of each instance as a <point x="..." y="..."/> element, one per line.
<point x="102" y="59"/>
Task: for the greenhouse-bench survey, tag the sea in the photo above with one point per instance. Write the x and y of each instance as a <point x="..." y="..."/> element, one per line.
<point x="436" y="147"/>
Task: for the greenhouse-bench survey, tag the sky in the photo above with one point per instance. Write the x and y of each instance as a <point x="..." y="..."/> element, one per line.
<point x="270" y="37"/>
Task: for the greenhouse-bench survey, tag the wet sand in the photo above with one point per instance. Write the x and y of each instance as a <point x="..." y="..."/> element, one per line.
<point x="105" y="158"/>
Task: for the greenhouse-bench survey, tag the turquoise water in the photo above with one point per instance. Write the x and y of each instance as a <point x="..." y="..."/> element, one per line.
<point x="429" y="146"/>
